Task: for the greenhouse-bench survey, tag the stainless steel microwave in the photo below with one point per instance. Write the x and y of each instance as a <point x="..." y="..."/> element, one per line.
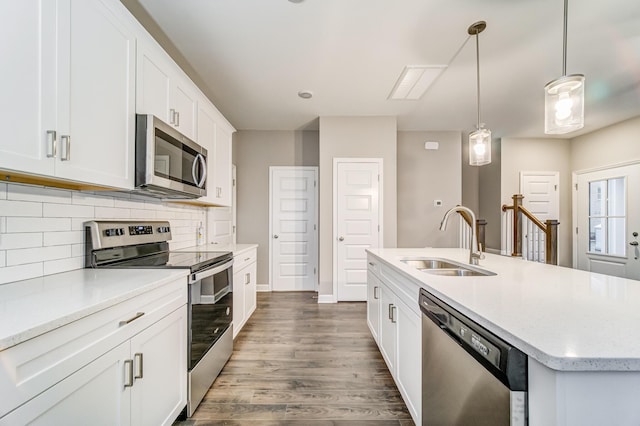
<point x="168" y="164"/>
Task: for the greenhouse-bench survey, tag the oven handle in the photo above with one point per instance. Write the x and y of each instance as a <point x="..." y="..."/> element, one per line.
<point x="197" y="276"/>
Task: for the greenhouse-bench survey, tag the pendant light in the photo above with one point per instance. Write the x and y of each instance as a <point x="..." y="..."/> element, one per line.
<point x="564" y="97"/>
<point x="480" y="139"/>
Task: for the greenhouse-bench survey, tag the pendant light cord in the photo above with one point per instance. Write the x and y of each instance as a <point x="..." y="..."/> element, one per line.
<point x="478" y="74"/>
<point x="564" y="38"/>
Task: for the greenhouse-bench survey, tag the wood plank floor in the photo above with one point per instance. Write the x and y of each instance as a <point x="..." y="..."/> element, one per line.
<point x="296" y="362"/>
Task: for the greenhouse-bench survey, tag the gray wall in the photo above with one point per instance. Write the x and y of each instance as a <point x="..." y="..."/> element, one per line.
<point x="470" y="178"/>
<point x="425" y="176"/>
<point x="364" y="137"/>
<point x="541" y="155"/>
<point x="489" y="205"/>
<point x="254" y="152"/>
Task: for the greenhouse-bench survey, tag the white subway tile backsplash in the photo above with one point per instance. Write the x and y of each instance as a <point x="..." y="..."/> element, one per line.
<point x="20" y="208"/>
<point x="40" y="194"/>
<point x="66" y="210"/>
<point x="112" y="213"/>
<point x="62" y="238"/>
<point x="63" y="265"/>
<point x="91" y="199"/>
<point x="39" y="254"/>
<point x="21" y="272"/>
<point x="20" y="240"/>
<point x="53" y="240"/>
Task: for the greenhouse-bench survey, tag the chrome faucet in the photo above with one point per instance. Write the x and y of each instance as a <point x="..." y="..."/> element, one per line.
<point x="475" y="254"/>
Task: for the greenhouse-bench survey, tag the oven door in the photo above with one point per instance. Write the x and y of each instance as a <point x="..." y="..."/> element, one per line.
<point x="210" y="309"/>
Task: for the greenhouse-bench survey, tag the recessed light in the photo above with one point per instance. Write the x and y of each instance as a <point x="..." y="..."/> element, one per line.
<point x="415" y="80"/>
<point x="296" y="1"/>
<point x="305" y="94"/>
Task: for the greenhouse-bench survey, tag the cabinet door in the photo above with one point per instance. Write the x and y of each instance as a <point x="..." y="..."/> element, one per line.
<point x="152" y="80"/>
<point x="27" y="103"/>
<point x="223" y="179"/>
<point x="93" y="395"/>
<point x="249" y="290"/>
<point x="96" y="101"/>
<point x="387" y="337"/>
<point x="159" y="355"/>
<point x="373" y="305"/>
<point x="409" y="358"/>
<point x="184" y="102"/>
<point x="238" y="300"/>
<point x="206" y="137"/>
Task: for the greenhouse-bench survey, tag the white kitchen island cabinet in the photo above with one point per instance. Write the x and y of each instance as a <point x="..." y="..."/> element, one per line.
<point x="113" y="353"/>
<point x="574" y="327"/>
<point x="69" y="94"/>
<point x="244" y="287"/>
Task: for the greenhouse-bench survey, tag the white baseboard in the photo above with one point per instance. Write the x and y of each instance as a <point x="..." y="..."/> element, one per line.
<point x="326" y="298"/>
<point x="494" y="251"/>
<point x="262" y="287"/>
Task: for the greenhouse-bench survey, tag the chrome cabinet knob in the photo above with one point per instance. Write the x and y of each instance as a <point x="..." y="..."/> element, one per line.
<point x="275" y="236"/>
<point x="633" y="243"/>
<point x="341" y="239"/>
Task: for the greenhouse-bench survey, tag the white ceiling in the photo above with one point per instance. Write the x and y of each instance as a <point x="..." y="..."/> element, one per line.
<point x="255" y="55"/>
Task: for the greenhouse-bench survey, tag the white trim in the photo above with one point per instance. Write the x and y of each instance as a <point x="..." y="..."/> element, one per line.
<point x="327" y="298"/>
<point x="263" y="287"/>
<point x="314" y="169"/>
<point x="607" y="167"/>
<point x="337" y="160"/>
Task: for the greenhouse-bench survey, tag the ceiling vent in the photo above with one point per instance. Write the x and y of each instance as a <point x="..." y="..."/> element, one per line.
<point x="415" y="80"/>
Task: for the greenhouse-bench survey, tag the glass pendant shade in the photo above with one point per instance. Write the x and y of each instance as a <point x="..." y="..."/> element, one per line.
<point x="480" y="147"/>
<point x="564" y="105"/>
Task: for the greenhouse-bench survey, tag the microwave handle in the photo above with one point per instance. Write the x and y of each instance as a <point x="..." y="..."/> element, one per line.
<point x="209" y="272"/>
<point x="203" y="178"/>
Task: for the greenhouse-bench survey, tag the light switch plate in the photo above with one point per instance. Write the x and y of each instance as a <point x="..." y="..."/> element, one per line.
<point x="437" y="203"/>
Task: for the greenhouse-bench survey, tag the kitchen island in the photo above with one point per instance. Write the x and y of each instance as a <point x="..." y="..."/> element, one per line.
<point x="575" y="327"/>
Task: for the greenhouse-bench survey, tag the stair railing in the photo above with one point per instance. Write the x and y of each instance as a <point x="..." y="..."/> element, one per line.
<point x="465" y="231"/>
<point x="539" y="234"/>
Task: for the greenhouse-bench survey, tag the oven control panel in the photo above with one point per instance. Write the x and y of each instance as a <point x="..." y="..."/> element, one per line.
<point x="113" y="232"/>
<point x="140" y="230"/>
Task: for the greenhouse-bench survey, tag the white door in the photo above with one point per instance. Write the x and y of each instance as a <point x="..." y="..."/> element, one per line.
<point x="541" y="191"/>
<point x="608" y="221"/>
<point x="293" y="213"/>
<point x="356" y="224"/>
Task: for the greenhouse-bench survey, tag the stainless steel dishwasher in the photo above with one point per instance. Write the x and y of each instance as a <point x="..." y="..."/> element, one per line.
<point x="470" y="377"/>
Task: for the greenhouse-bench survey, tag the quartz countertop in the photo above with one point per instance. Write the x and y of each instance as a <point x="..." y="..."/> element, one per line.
<point x="235" y="248"/>
<point x="32" y="307"/>
<point x="564" y="318"/>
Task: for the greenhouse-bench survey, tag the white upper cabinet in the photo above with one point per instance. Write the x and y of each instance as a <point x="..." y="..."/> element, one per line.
<point x="163" y="90"/>
<point x="69" y="94"/>
<point x="215" y="134"/>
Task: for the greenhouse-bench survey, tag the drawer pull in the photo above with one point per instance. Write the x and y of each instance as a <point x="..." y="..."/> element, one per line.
<point x="139" y="361"/>
<point x="130" y="320"/>
<point x="375" y="292"/>
<point x="247" y="259"/>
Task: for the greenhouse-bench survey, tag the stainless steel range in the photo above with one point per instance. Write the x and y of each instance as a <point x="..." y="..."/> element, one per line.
<point x="144" y="244"/>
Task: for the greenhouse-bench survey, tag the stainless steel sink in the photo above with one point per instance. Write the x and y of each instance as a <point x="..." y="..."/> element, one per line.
<point x="445" y="267"/>
<point x="430" y="263"/>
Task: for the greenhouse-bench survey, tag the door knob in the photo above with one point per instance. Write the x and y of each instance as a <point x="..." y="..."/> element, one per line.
<point x="633" y="243"/>
<point x="275" y="236"/>
<point x="341" y="239"/>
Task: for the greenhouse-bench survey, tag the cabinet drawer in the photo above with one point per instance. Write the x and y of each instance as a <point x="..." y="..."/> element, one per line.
<point x="37" y="364"/>
<point x="373" y="266"/>
<point x="245" y="258"/>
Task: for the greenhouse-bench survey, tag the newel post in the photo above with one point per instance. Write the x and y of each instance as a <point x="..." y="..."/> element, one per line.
<point x="551" y="248"/>
<point x="517" y="228"/>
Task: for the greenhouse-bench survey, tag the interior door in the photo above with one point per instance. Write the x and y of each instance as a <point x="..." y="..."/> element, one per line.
<point x="541" y="191"/>
<point x="294" y="247"/>
<point x="608" y="221"/>
<point x="356" y="224"/>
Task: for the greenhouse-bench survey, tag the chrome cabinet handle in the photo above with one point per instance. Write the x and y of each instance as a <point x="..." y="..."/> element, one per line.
<point x="130" y="320"/>
<point x="52" y="144"/>
<point x="341" y="239"/>
<point x="390" y="310"/>
<point x="172" y="116"/>
<point x="139" y="361"/>
<point x="247" y="278"/>
<point x="177" y="119"/>
<point x="375" y="292"/>
<point x="66" y="146"/>
<point x="393" y="314"/>
<point x="203" y="164"/>
<point x="128" y="373"/>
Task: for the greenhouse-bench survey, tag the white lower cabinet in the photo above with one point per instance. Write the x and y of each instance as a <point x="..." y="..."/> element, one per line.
<point x="244" y="288"/>
<point x="397" y="329"/>
<point x="124" y="365"/>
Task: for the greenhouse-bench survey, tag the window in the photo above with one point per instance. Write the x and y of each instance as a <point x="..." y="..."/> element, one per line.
<point x="607" y="216"/>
